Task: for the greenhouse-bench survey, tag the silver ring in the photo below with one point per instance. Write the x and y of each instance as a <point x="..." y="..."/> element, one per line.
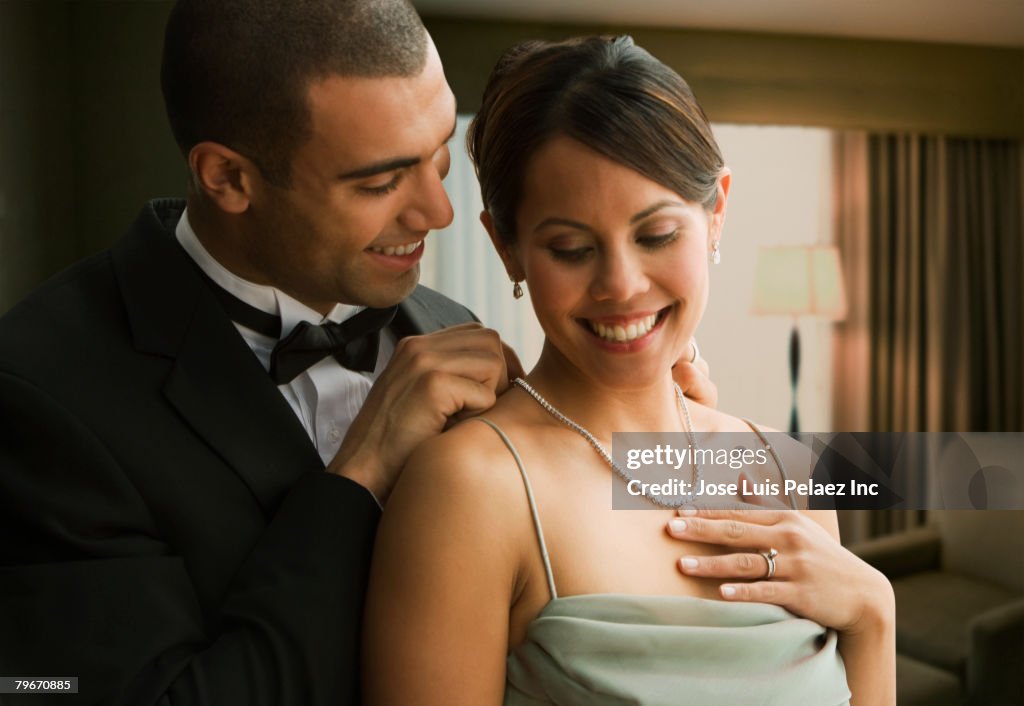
<point x="769" y="556"/>
<point x="696" y="351"/>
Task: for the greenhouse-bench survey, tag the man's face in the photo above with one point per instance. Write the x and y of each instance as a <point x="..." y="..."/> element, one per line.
<point x="365" y="190"/>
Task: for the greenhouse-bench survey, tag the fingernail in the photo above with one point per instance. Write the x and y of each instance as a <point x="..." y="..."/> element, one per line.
<point x="688" y="510"/>
<point x="688" y="562"/>
<point x="728" y="591"/>
<point x="678" y="526"/>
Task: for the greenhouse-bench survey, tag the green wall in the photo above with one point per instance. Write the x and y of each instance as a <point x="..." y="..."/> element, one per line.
<point x="83" y="137"/>
<point x="84" y="140"/>
<point x="36" y="151"/>
<point x="790" y="80"/>
<point x="124" y="152"/>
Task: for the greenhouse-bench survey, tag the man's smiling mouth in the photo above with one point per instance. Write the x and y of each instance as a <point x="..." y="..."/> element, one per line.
<point x="406" y="249"/>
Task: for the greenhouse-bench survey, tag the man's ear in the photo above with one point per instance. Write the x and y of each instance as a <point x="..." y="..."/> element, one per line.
<point x="223" y="176"/>
<point x="505" y="252"/>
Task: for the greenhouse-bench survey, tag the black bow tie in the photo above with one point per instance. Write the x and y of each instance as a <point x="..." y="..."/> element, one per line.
<point x="354" y="342"/>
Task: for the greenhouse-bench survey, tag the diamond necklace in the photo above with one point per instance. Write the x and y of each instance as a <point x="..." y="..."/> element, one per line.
<point x="685" y="416"/>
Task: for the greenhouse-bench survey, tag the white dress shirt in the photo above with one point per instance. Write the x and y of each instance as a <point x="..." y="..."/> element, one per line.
<point x="326" y="397"/>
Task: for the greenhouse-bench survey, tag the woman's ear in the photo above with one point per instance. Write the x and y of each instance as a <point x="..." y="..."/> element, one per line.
<point x="721" y="199"/>
<point x="223" y="176"/>
<point x="505" y="251"/>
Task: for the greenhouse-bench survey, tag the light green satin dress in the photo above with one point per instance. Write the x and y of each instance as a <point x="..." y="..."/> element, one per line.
<point x="611" y="649"/>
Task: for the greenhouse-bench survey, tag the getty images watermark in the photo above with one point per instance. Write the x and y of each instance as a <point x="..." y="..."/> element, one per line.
<point x="855" y="471"/>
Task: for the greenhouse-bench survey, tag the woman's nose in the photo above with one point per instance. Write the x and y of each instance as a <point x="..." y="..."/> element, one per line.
<point x="620" y="277"/>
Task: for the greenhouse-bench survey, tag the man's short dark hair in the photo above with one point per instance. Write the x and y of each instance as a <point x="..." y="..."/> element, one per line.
<point x="237" y="72"/>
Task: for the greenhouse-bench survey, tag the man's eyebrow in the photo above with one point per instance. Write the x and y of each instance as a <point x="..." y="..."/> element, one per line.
<point x="381" y="167"/>
<point x="554" y="221"/>
<point x="653" y="208"/>
<point x="391" y="164"/>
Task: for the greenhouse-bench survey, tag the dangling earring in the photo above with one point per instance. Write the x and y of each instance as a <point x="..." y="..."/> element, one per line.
<point x="716" y="254"/>
<point x="517" y="289"/>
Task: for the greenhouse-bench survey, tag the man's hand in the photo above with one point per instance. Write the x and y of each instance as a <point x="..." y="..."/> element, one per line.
<point x="431" y="379"/>
<point x="693" y="375"/>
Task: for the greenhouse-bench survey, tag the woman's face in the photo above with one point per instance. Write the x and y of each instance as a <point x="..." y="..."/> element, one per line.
<point x="616" y="264"/>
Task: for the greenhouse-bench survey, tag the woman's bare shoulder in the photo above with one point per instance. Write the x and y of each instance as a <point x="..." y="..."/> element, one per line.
<point x="469" y="460"/>
<point x="459" y="495"/>
<point x="709" y="419"/>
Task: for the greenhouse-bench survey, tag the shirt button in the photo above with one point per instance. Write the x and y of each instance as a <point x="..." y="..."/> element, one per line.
<point x="334" y="435"/>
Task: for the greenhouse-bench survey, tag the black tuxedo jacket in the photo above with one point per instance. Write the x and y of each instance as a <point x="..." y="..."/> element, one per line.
<point x="167" y="531"/>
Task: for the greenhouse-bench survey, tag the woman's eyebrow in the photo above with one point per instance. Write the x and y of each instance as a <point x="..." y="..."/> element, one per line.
<point x="554" y="221"/>
<point x="653" y="208"/>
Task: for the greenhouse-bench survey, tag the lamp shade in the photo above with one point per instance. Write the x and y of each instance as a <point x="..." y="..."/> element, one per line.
<point x="799" y="280"/>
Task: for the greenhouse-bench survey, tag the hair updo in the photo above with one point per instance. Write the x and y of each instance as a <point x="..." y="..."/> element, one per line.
<point x="604" y="92"/>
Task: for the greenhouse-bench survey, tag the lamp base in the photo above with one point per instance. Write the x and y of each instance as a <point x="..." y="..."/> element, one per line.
<point x="794" y="376"/>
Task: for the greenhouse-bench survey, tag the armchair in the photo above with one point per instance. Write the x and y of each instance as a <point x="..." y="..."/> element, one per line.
<point x="959" y="585"/>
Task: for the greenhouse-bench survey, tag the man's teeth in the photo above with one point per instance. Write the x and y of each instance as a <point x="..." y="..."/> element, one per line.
<point x="399" y="250"/>
<point x="622" y="334"/>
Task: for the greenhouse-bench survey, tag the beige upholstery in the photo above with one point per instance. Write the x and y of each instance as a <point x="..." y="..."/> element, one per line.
<point x="959" y="585"/>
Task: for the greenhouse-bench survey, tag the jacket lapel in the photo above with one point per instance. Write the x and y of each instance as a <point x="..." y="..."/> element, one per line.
<point x="425" y="310"/>
<point x="216" y="383"/>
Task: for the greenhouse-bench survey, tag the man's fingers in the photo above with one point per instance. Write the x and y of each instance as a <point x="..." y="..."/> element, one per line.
<point x="461" y="337"/>
<point x="467" y="326"/>
<point x="695" y="384"/>
<point x="483" y="366"/>
<point x="697" y="360"/>
<point x="454" y="395"/>
<point x="515" y="368"/>
<point x="458" y="339"/>
<point x="445" y="336"/>
<point x="429" y="381"/>
<point x="452" y="336"/>
<point x="469" y="350"/>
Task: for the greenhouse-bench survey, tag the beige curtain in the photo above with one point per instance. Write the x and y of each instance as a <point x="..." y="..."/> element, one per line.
<point x="852" y="340"/>
<point x="945" y="275"/>
<point x="930" y="230"/>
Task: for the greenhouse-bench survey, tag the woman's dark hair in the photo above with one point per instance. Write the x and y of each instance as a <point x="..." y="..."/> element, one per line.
<point x="604" y="92"/>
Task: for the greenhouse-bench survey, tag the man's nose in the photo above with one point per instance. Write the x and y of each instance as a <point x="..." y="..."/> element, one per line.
<point x="428" y="207"/>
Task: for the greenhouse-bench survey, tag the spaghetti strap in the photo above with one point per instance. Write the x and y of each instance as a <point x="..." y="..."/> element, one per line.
<point x="775" y="456"/>
<point x="533" y="505"/>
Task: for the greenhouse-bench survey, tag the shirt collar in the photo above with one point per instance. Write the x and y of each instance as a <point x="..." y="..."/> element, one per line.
<point x="265" y="298"/>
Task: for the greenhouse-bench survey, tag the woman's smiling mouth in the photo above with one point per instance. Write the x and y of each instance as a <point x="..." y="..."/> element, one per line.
<point x="625" y="329"/>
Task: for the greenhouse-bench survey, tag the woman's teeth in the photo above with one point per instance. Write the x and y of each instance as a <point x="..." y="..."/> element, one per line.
<point x="622" y="334"/>
<point x="399" y="250"/>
